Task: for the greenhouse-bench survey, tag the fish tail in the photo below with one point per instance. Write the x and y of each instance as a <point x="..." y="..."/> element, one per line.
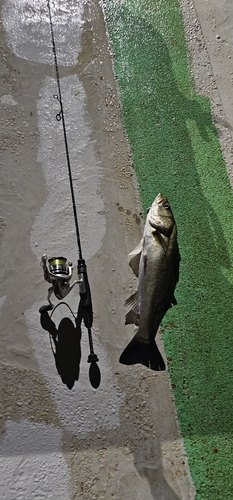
<point x="146" y="354"/>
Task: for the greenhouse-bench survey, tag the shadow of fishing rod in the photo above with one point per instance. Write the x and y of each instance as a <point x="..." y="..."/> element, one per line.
<point x="65" y="343"/>
<point x="66" y="339"/>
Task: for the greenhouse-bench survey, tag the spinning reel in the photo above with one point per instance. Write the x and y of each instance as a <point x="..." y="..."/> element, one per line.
<point x="58" y="272"/>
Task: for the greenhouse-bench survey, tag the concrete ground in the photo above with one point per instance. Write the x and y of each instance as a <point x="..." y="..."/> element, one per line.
<point x="121" y="440"/>
<point x="209" y="38"/>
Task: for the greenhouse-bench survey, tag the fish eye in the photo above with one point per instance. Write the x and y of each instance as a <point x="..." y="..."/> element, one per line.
<point x="166" y="205"/>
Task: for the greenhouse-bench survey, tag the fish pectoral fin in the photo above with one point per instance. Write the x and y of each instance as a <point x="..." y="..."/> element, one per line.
<point x="144" y="263"/>
<point x="134" y="258"/>
<point x="144" y="255"/>
<point x="132" y="318"/>
<point x="133" y="302"/>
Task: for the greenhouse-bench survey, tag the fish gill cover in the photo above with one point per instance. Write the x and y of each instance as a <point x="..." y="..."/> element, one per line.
<point x="176" y="151"/>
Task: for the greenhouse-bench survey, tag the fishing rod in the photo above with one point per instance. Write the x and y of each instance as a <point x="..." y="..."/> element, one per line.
<point x="56" y="269"/>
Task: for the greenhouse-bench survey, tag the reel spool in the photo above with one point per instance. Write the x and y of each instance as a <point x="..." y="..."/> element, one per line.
<point x="58" y="266"/>
<point x="58" y="272"/>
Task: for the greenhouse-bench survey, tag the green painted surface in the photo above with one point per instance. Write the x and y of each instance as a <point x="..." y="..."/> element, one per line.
<point x="176" y="151"/>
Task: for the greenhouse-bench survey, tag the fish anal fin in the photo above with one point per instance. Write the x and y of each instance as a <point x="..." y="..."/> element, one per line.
<point x="132" y="318"/>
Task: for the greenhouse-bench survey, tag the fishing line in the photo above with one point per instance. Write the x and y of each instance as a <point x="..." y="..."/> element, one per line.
<point x="64" y="304"/>
<point x="60" y="117"/>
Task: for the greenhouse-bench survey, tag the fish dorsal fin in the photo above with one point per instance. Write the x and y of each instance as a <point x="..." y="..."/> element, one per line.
<point x="134" y="258"/>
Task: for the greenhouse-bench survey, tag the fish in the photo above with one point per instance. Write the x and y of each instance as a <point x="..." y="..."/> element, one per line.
<point x="155" y="261"/>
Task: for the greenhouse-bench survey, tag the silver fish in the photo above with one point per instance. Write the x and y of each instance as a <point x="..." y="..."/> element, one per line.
<point x="155" y="261"/>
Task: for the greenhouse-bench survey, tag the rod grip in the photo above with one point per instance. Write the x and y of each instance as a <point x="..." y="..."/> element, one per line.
<point x="85" y="296"/>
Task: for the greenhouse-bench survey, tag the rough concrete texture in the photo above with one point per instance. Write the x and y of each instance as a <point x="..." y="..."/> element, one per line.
<point x="121" y="440"/>
<point x="216" y="24"/>
<point x="208" y="29"/>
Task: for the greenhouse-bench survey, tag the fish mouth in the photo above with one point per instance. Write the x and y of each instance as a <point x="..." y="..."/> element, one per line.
<point x="162" y="200"/>
<point x="162" y="224"/>
<point x="159" y="198"/>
